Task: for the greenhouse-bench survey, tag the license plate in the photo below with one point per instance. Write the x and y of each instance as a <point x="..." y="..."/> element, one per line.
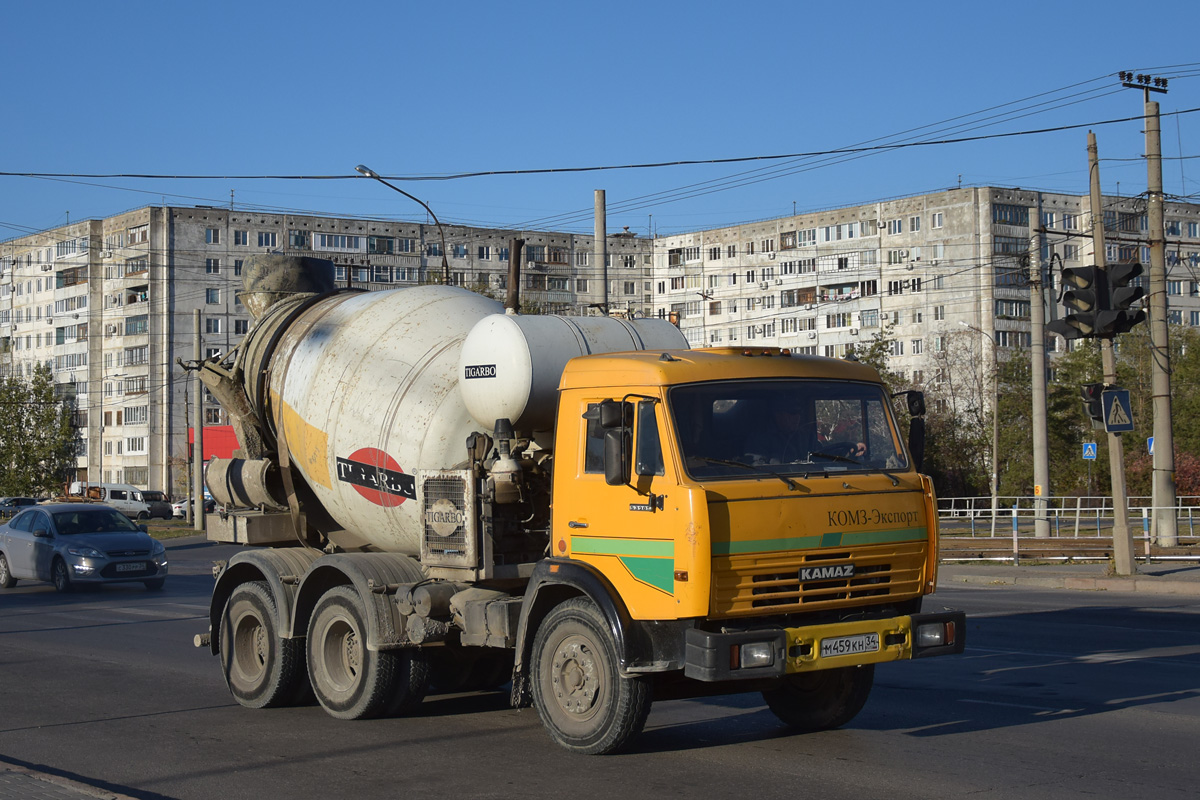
<point x="131" y="566"/>
<point x="850" y="645"/>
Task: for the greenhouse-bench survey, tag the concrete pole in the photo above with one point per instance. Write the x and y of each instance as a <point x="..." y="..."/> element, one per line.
<point x="601" y="247"/>
<point x="1164" y="499"/>
<point x="1037" y="326"/>
<point x="198" y="428"/>
<point x="1122" y="540"/>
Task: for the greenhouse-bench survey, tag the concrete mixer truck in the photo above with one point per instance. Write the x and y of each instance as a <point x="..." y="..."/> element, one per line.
<point x="435" y="493"/>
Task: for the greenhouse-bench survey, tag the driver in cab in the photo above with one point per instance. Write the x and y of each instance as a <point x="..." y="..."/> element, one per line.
<point x="789" y="435"/>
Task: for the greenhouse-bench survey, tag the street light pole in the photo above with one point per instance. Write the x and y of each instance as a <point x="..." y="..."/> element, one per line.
<point x="370" y="173"/>
<point x="995" y="476"/>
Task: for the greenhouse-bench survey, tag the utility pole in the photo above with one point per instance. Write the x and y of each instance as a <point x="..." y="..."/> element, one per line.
<point x="1122" y="541"/>
<point x="1037" y="325"/>
<point x="198" y="435"/>
<point x="1163" y="483"/>
<point x="601" y="246"/>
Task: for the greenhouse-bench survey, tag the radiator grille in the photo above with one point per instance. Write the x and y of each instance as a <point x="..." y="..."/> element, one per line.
<point x="769" y="583"/>
<point x="448" y="519"/>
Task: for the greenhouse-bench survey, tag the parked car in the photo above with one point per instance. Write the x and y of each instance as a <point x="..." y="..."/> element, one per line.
<point x="180" y="510"/>
<point x="160" y="507"/>
<point x="121" y="496"/>
<point x="79" y="543"/>
<point x="11" y="505"/>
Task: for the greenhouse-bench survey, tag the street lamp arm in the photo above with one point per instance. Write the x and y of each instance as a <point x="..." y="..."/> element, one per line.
<point x="370" y="173"/>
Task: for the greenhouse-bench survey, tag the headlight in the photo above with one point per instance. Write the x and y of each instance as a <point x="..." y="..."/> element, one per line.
<point x="931" y="634"/>
<point x="157" y="548"/>
<point x="83" y="551"/>
<point x="757" y="654"/>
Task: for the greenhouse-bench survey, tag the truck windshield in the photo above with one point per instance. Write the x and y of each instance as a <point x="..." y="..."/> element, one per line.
<point x="736" y="429"/>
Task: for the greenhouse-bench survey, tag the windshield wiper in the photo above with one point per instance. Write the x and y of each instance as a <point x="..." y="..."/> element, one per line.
<point x="869" y="468"/>
<point x="791" y="484"/>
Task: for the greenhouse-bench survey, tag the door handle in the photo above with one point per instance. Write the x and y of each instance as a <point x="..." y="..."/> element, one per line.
<point x="574" y="524"/>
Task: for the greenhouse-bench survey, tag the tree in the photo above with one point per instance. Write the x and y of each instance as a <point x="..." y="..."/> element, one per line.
<point x="38" y="440"/>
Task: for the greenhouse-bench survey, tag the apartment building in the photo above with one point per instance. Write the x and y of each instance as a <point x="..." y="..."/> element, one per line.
<point x="107" y="304"/>
<point x="919" y="269"/>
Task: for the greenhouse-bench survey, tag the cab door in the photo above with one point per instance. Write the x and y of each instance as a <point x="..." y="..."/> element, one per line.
<point x="640" y="532"/>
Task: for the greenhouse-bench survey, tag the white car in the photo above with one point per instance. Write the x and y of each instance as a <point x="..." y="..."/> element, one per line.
<point x="179" y="510"/>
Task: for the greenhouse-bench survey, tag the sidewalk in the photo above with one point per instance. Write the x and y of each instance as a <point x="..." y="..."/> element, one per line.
<point x="1180" y="577"/>
<point x="19" y="783"/>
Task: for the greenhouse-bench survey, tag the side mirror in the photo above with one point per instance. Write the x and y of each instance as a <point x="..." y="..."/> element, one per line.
<point x="916" y="441"/>
<point x="617" y="456"/>
<point x="615" y="414"/>
<point x="916" y="403"/>
<point x="42" y="533"/>
<point x="144" y="528"/>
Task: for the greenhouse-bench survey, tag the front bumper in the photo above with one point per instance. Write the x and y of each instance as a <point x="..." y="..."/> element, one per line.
<point x="716" y="656"/>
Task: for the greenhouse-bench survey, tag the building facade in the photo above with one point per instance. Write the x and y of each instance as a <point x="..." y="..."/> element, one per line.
<point x="918" y="270"/>
<point x="107" y="304"/>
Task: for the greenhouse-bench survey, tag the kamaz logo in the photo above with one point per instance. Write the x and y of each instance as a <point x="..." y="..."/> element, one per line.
<point x="826" y="573"/>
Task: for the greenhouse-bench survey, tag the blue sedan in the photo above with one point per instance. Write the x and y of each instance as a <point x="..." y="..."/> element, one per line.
<point x="79" y="543"/>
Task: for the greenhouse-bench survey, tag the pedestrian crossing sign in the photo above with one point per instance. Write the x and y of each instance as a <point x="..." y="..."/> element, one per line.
<point x="1089" y="451"/>
<point x="1118" y="414"/>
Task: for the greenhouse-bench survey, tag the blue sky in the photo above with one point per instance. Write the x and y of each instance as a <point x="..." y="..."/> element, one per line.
<point x="305" y="88"/>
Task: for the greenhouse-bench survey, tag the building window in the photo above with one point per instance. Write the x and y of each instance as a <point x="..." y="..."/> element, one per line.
<point x="298" y="239"/>
<point x="137" y="325"/>
<point x="1005" y="214"/>
<point x="212" y="324"/>
<point x="212" y="296"/>
<point x="895" y="226"/>
<point x="212" y="416"/>
<point x="212" y="266"/>
<point x="381" y="245"/>
<point x="241" y="326"/>
<point x="1070" y="222"/>
<point x="212" y="235"/>
<point x="268" y="239"/>
<point x="237" y="266"/>
<point x="459" y="251"/>
<point x="914" y="224"/>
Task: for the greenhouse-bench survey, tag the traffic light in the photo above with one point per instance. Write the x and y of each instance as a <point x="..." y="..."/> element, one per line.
<point x="1084" y="301"/>
<point x="1117" y="316"/>
<point x="1093" y="401"/>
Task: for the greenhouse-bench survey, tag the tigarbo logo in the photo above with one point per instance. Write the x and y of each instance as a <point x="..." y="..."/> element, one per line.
<point x="444" y="517"/>
<point x="479" y="371"/>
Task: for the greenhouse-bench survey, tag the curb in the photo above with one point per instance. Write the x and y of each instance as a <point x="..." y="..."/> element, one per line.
<point x="21" y="782"/>
<point x="1138" y="583"/>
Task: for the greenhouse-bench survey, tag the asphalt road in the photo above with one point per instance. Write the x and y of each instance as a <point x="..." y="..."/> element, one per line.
<point x="1060" y="694"/>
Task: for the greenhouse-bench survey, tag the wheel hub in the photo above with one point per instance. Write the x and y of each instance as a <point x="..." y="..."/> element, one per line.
<point x="574" y="677"/>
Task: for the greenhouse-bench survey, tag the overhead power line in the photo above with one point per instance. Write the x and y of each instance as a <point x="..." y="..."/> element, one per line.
<point x="600" y="168"/>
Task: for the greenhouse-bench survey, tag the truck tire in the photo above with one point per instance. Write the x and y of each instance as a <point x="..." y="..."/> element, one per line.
<point x="351" y="681"/>
<point x="580" y="696"/>
<point x="261" y="669"/>
<point x="817" y="701"/>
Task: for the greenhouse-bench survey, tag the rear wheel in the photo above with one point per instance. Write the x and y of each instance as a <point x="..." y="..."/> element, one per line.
<point x="351" y="681"/>
<point x="260" y="668"/>
<point x="581" y="697"/>
<point x="817" y="701"/>
<point x="60" y="576"/>
<point x="7" y="581"/>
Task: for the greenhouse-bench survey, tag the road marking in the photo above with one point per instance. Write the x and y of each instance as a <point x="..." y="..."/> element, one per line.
<point x="1017" y="705"/>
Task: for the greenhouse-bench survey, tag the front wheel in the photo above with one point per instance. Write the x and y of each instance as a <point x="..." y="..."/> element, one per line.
<point x="578" y="691"/>
<point x="350" y="680"/>
<point x="60" y="577"/>
<point x="817" y="701"/>
<point x="7" y="581"/>
<point x="261" y="669"/>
